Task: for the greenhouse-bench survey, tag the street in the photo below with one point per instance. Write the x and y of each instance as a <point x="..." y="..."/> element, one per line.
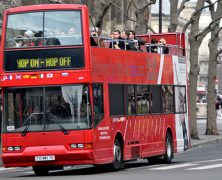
<point x="204" y="162"/>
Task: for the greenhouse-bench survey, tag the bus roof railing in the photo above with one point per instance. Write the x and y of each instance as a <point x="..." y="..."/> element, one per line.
<point x="103" y="41"/>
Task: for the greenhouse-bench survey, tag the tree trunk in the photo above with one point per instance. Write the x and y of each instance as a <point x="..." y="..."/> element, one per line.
<point x="211" y="126"/>
<point x="195" y="42"/>
<point x="140" y="25"/>
<point x="173" y="16"/>
<point x="194" y="71"/>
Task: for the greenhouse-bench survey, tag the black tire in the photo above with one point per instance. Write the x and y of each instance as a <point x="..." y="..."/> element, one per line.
<point x="168" y="149"/>
<point x="40" y="170"/>
<point x="117" y="163"/>
<point x="153" y="160"/>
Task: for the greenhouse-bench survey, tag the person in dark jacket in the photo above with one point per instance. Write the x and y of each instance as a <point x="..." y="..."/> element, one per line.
<point x="153" y="46"/>
<point x="137" y="41"/>
<point x="117" y="42"/>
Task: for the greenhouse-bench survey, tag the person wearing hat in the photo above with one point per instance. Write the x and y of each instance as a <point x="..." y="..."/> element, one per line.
<point x="29" y="37"/>
<point x="95" y="37"/>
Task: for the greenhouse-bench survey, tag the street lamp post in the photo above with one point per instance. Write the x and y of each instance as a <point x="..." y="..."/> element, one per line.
<point x="160" y="16"/>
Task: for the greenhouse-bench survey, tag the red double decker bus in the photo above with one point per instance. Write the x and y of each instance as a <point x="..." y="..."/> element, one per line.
<point x="67" y="103"/>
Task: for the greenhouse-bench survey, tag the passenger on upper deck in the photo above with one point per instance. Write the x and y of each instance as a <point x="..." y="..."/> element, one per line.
<point x="153" y="46"/>
<point x="163" y="49"/>
<point x="96" y="39"/>
<point x="125" y="37"/>
<point x="19" y="41"/>
<point x="28" y="35"/>
<point x="38" y="38"/>
<point x="52" y="40"/>
<point x="137" y="41"/>
<point x="117" y="42"/>
<point x="74" y="38"/>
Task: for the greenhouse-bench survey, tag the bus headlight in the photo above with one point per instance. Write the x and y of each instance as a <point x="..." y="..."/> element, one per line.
<point x="17" y="148"/>
<point x="12" y="148"/>
<point x="73" y="146"/>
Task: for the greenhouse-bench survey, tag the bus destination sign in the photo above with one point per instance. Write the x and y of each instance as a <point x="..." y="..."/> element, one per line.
<point x="44" y="59"/>
<point x="37" y="63"/>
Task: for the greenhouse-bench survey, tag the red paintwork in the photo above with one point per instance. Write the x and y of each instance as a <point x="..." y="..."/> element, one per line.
<point x="143" y="136"/>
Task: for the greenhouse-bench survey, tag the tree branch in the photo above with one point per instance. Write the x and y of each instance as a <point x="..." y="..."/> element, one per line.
<point x="208" y="6"/>
<point x="148" y="4"/>
<point x="144" y="7"/>
<point x="219" y="52"/>
<point x="191" y="20"/>
<point x="103" y="13"/>
<point x="209" y="28"/>
<point x="126" y="14"/>
<point x="134" y="4"/>
<point x="196" y="13"/>
<point x="217" y="33"/>
<point x="150" y="28"/>
<point x="182" y="6"/>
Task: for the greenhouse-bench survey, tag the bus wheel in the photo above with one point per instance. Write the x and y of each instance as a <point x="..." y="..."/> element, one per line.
<point x="118" y="156"/>
<point x="169" y="149"/>
<point x="40" y="170"/>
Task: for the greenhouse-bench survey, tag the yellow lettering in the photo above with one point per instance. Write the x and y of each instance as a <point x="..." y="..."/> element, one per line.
<point x="22" y="63"/>
<point x="51" y="62"/>
<point x="34" y="63"/>
<point x="65" y="61"/>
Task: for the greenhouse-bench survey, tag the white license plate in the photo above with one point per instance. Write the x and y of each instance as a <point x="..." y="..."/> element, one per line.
<point x="45" y="158"/>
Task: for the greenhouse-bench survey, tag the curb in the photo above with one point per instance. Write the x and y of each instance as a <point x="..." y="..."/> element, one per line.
<point x="205" y="142"/>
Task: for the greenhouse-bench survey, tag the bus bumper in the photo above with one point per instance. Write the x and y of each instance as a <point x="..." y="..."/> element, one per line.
<point x="61" y="155"/>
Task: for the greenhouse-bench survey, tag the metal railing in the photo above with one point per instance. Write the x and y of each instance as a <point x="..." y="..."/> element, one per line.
<point x="110" y="43"/>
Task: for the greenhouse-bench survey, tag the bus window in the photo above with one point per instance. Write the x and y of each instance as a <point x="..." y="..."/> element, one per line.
<point x="24" y="107"/>
<point x="116" y="99"/>
<point x="51" y="28"/>
<point x="66" y="106"/>
<point x="98" y="103"/>
<point x="131" y="100"/>
<point x="18" y="25"/>
<point x="143" y="97"/>
<point x="167" y="95"/>
<point x="180" y="99"/>
<point x="156" y="99"/>
<point x="63" y="28"/>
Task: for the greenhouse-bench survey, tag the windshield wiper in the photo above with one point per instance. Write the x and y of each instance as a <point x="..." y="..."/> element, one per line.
<point x="63" y="129"/>
<point x="24" y="132"/>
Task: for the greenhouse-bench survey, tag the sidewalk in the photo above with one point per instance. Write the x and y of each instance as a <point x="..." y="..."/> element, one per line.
<point x="204" y="139"/>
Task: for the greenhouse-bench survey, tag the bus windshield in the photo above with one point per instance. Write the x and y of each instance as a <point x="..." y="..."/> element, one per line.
<point x="50" y="28"/>
<point x="47" y="108"/>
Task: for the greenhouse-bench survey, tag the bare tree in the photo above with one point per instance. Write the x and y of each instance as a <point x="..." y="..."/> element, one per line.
<point x="4" y="4"/>
<point x="195" y="39"/>
<point x="141" y="21"/>
<point x="174" y="14"/>
<point x="211" y="126"/>
<point x="105" y="7"/>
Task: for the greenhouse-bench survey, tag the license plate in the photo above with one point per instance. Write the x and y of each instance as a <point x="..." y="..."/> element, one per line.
<point x="45" y="158"/>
